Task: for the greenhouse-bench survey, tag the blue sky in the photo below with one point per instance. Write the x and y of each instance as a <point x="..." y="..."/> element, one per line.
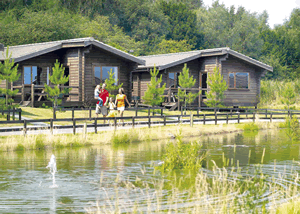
<point x="278" y="10"/>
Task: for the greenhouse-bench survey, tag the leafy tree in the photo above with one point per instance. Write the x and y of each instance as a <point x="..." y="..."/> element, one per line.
<point x="57" y="78"/>
<point x="9" y="74"/>
<point x="186" y="81"/>
<point x="153" y="95"/>
<point x="288" y="95"/>
<point x="111" y="84"/>
<point x="182" y="23"/>
<point x="217" y="87"/>
<point x="172" y="46"/>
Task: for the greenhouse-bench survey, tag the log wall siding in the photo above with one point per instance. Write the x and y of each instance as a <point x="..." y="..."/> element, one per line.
<point x="71" y="58"/>
<point x="98" y="57"/>
<point x="241" y="97"/>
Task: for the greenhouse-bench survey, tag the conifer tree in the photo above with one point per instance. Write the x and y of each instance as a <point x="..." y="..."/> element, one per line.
<point x="8" y="73"/>
<point x="57" y="78"/>
<point x="153" y="95"/>
<point x="288" y="95"/>
<point x="186" y="81"/>
<point x="111" y="84"/>
<point x="217" y="87"/>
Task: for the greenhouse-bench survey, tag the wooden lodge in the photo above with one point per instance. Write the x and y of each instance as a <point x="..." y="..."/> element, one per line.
<point x="88" y="61"/>
<point x="242" y="74"/>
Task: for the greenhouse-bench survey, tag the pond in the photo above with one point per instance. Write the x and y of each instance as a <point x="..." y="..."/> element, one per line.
<point x="103" y="176"/>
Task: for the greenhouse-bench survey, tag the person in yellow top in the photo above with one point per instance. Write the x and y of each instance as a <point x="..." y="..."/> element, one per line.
<point x="120" y="102"/>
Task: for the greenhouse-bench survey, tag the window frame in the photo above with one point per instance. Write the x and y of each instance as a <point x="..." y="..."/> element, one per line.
<point x="176" y="81"/>
<point x="23" y="73"/>
<point x="101" y="72"/>
<point x="235" y="88"/>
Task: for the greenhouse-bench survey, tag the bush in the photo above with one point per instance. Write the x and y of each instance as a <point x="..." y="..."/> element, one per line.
<point x="124" y="138"/>
<point x="251" y="127"/>
<point x="292" y="127"/>
<point x="39" y="142"/>
<point x="179" y="155"/>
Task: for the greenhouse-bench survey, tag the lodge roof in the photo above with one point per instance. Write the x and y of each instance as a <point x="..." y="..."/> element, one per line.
<point x="23" y="52"/>
<point x="163" y="61"/>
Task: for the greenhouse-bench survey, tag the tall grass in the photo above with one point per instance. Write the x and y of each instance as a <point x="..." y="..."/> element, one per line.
<point x="271" y="92"/>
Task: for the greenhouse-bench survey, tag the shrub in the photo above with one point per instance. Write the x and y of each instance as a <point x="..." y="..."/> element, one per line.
<point x="179" y="155"/>
<point x="292" y="128"/>
<point x="20" y="147"/>
<point x="39" y="142"/>
<point x="251" y="127"/>
<point x="125" y="138"/>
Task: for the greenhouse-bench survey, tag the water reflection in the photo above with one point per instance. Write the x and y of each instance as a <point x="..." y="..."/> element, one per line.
<point x="24" y="180"/>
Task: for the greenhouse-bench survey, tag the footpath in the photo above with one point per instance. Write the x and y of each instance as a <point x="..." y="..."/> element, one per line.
<point x="69" y="130"/>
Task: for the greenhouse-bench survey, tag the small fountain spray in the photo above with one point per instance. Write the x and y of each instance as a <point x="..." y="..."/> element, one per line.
<point x="53" y="170"/>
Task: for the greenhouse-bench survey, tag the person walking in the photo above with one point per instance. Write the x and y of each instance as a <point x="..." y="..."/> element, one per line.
<point x="120" y="102"/>
<point x="103" y="95"/>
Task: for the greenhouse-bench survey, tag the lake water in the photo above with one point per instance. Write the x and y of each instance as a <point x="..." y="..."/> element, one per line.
<point x="90" y="176"/>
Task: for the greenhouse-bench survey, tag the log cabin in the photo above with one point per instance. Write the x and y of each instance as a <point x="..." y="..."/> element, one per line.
<point x="242" y="74"/>
<point x="86" y="61"/>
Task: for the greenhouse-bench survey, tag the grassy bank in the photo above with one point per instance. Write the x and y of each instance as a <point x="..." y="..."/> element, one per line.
<point x="121" y="136"/>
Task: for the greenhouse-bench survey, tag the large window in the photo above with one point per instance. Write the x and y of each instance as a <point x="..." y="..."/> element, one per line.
<point x="31" y="75"/>
<point x="239" y="80"/>
<point x="173" y="79"/>
<point x="101" y="73"/>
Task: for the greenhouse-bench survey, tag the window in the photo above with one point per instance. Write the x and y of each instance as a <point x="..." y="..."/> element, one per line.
<point x="31" y="75"/>
<point x="173" y="79"/>
<point x="239" y="80"/>
<point x="101" y="73"/>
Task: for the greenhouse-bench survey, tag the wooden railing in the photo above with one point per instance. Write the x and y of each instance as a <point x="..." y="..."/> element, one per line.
<point x="176" y="90"/>
<point x="191" y="119"/>
<point x="12" y="111"/>
<point x="41" y="87"/>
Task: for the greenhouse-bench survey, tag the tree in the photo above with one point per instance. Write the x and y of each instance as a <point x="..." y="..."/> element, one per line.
<point x="111" y="84"/>
<point x="288" y="95"/>
<point x="217" y="87"/>
<point x="186" y="81"/>
<point x="57" y="78"/>
<point x="172" y="46"/>
<point x="153" y="95"/>
<point x="9" y="74"/>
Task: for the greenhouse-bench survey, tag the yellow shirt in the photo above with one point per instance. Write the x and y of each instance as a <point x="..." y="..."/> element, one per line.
<point x="121" y="100"/>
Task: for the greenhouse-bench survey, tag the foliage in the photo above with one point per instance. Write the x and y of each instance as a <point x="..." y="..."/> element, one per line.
<point x="8" y="73"/>
<point x="124" y="138"/>
<point x="288" y="95"/>
<point x="179" y="155"/>
<point x="172" y="46"/>
<point x="55" y="94"/>
<point x="111" y="83"/>
<point x="217" y="87"/>
<point x="153" y="95"/>
<point x="251" y="127"/>
<point x="186" y="81"/>
<point x="292" y="127"/>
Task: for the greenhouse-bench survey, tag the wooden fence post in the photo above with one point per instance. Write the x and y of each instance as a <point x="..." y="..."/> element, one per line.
<point x="231" y="112"/>
<point x="181" y="110"/>
<point x="20" y="110"/>
<point x="115" y="123"/>
<point x="247" y="113"/>
<point x="95" y="125"/>
<point x="153" y="110"/>
<point x="238" y="117"/>
<point x="90" y="113"/>
<point x="227" y="118"/>
<point x="25" y="127"/>
<point x="203" y="119"/>
<point x="178" y="100"/>
<point x="216" y="118"/>
<point x="51" y="126"/>
<point x="136" y="111"/>
<point x="253" y="117"/>
<point x="271" y="117"/>
<point x="132" y="122"/>
<point x="148" y="111"/>
<point x="266" y="113"/>
<point x="32" y="95"/>
<point x="74" y="126"/>
<point x="191" y="120"/>
<point x="161" y="112"/>
<point x="149" y="121"/>
<point x="164" y="120"/>
<point x="72" y="112"/>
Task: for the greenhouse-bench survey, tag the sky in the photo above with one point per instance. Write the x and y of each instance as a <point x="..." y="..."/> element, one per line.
<point x="278" y="11"/>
